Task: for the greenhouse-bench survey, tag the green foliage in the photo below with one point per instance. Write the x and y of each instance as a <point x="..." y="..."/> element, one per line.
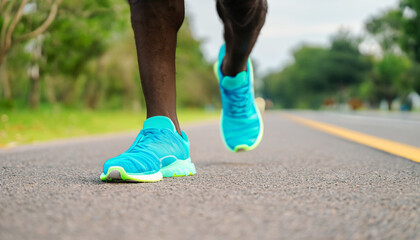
<point x="411" y="40"/>
<point x="196" y="84"/>
<point x="16" y="66"/>
<point x="341" y="73"/>
<point x="386" y="29"/>
<point x="389" y="77"/>
<point x="318" y="73"/>
<point x="397" y="30"/>
<point x="410" y="28"/>
<point x="345" y="65"/>
<point x="79" y="33"/>
<point x="89" y="60"/>
<point x="412" y="77"/>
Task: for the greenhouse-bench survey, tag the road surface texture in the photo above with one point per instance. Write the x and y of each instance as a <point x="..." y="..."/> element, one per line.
<point x="299" y="184"/>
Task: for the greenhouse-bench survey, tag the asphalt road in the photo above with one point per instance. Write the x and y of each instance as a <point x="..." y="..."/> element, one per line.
<point x="299" y="184"/>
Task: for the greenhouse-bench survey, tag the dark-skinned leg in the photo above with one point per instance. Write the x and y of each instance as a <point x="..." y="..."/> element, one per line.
<point x="243" y="20"/>
<point x="241" y="123"/>
<point x="160" y="150"/>
<point x="156" y="24"/>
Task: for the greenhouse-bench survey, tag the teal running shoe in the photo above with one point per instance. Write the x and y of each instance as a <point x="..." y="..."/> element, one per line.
<point x="158" y="151"/>
<point x="241" y="122"/>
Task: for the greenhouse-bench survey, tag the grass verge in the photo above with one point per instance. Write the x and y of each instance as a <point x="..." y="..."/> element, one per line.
<point x="25" y="126"/>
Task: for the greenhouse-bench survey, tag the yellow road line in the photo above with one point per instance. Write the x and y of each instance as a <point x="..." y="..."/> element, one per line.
<point x="396" y="148"/>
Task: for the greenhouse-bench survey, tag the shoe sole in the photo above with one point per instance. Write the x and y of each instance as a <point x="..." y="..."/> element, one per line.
<point x="116" y="174"/>
<point x="179" y="168"/>
<point x="242" y="147"/>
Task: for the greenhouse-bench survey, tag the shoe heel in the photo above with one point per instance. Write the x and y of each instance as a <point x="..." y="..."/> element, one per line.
<point x="179" y="168"/>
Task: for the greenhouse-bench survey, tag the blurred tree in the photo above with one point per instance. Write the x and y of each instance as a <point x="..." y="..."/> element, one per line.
<point x="410" y="28"/>
<point x="87" y="59"/>
<point x="398" y="27"/>
<point x="318" y="73"/>
<point x="20" y="21"/>
<point x="390" y="77"/>
<point x="81" y="32"/>
<point x="345" y="64"/>
<point x="398" y="32"/>
<point x="412" y="79"/>
<point x="385" y="28"/>
<point x="411" y="38"/>
<point x="280" y="87"/>
<point x="196" y="84"/>
<point x="16" y="29"/>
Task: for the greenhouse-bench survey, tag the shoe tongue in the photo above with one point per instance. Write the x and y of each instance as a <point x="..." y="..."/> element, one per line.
<point x="159" y="122"/>
<point x="239" y="80"/>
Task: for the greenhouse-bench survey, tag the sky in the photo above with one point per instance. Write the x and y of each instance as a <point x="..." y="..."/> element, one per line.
<point x="288" y="25"/>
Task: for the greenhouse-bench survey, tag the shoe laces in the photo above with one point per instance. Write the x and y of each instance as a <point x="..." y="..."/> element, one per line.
<point x="238" y="101"/>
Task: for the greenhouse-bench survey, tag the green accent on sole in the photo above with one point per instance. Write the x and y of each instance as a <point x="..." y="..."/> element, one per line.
<point x="175" y="175"/>
<point x="179" y="168"/>
<point x="119" y="174"/>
